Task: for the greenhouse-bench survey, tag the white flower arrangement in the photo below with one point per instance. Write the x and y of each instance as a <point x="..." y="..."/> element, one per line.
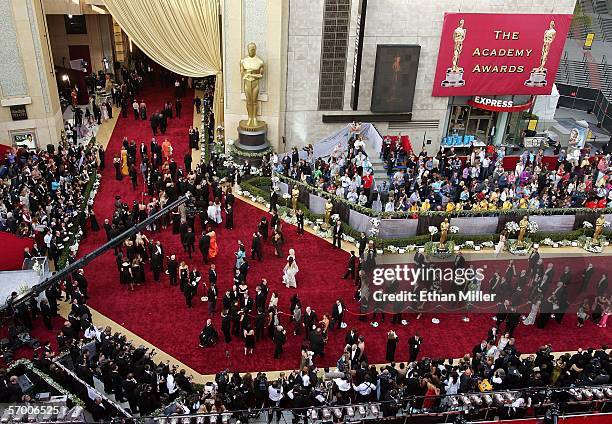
<point x="468" y="244"/>
<point x="260" y="199"/>
<point x="433" y="230"/>
<point x="392" y="249"/>
<point x="487" y="244"/>
<point x="548" y="241"/>
<point x="375" y="222"/>
<point x="230" y="142"/>
<point x="532" y="227"/>
<point x="286" y="196"/>
<point x="335" y="217"/>
<point x="512" y="227"/>
<point x="453" y="229"/>
<point x="238" y="192"/>
<point x="275" y="180"/>
<point x="246" y="193"/>
<point x="587" y="225"/>
<point x="606" y="224"/>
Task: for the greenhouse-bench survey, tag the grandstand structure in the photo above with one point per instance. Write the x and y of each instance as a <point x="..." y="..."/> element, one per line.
<point x="584" y="78"/>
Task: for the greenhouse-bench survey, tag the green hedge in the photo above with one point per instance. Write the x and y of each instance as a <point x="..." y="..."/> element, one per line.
<point x="260" y="187"/>
<point x="63" y="260"/>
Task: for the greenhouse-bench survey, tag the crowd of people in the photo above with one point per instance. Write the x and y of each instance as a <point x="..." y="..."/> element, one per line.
<point x="42" y="194"/>
<point x="446" y="182"/>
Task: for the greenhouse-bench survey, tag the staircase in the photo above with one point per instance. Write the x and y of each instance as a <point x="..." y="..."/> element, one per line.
<point x="606" y="28"/>
<point x="599" y="6"/>
<point x="378" y="166"/>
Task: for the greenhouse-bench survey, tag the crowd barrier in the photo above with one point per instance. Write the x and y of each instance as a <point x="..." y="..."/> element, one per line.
<point x="393" y="228"/>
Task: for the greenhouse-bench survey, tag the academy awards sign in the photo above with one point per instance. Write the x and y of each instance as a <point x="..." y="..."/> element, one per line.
<point x="497" y="54"/>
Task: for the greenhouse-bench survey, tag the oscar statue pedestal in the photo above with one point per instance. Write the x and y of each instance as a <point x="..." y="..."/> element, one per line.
<point x="252" y="138"/>
<point x="453" y="78"/>
<point x="537" y="78"/>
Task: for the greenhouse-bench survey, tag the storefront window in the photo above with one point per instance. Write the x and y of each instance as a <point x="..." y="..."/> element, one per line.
<point x="471" y="121"/>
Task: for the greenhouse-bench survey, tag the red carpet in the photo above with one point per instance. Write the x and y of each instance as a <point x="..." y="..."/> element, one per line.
<point x="157" y="312"/>
<point x="11" y="258"/>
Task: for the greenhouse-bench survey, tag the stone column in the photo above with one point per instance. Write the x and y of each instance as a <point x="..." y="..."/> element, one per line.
<point x="27" y="78"/>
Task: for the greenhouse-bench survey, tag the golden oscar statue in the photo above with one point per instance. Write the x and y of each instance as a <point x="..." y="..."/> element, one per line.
<point x="328" y="210"/>
<point x="251" y="71"/>
<point x="295" y="193"/>
<point x="599" y="226"/>
<point x="523" y="224"/>
<point x="454" y="74"/>
<point x="444" y="226"/>
<point x="538" y="75"/>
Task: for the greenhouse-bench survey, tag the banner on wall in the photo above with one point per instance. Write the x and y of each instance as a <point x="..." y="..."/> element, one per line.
<point x="497" y="54"/>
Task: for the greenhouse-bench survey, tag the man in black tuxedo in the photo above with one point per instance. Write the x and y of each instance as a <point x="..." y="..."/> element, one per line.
<point x="108" y="230"/>
<point x="300" y="221"/>
<point x="204" y="246"/>
<point x="189" y="241"/>
<point x="363" y="243"/>
<point x="534" y="257"/>
<point x="212" y="294"/>
<point x="414" y="345"/>
<point x="512" y="321"/>
<point x="310" y="320"/>
<point x="157" y="260"/>
<point x="337" y="314"/>
<point x="190" y="291"/>
<point x="246" y="303"/>
<point x="459" y="261"/>
<point x="208" y="336"/>
<point x="260" y="298"/>
<point x="244" y="269"/>
<point x="350" y="270"/>
<point x="172" y="270"/>
<point x="229" y="197"/>
<point x="337" y="234"/>
<point x="502" y="314"/>
<point x="280" y="337"/>
<point x="273" y="201"/>
<point x="226" y="325"/>
<point x="587" y="274"/>
<point x="257" y="247"/>
<point x="212" y="274"/>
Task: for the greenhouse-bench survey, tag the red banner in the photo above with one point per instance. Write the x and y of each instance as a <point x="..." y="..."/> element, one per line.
<point x="495" y="54"/>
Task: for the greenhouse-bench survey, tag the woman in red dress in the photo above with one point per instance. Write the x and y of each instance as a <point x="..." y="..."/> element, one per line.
<point x="431" y="396"/>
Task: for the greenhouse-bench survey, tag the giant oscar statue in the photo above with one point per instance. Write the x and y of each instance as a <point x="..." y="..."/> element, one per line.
<point x="538" y="75"/>
<point x="454" y="74"/>
<point x="251" y="131"/>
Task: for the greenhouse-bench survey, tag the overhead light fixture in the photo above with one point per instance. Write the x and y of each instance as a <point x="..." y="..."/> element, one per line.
<point x="70" y="16"/>
<point x="65" y="77"/>
<point x="130" y="45"/>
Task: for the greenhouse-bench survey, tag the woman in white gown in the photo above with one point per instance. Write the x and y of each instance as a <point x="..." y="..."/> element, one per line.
<point x="535" y="307"/>
<point x="500" y="244"/>
<point x="104" y="112"/>
<point x="289" y="273"/>
<point x="218" y="211"/>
